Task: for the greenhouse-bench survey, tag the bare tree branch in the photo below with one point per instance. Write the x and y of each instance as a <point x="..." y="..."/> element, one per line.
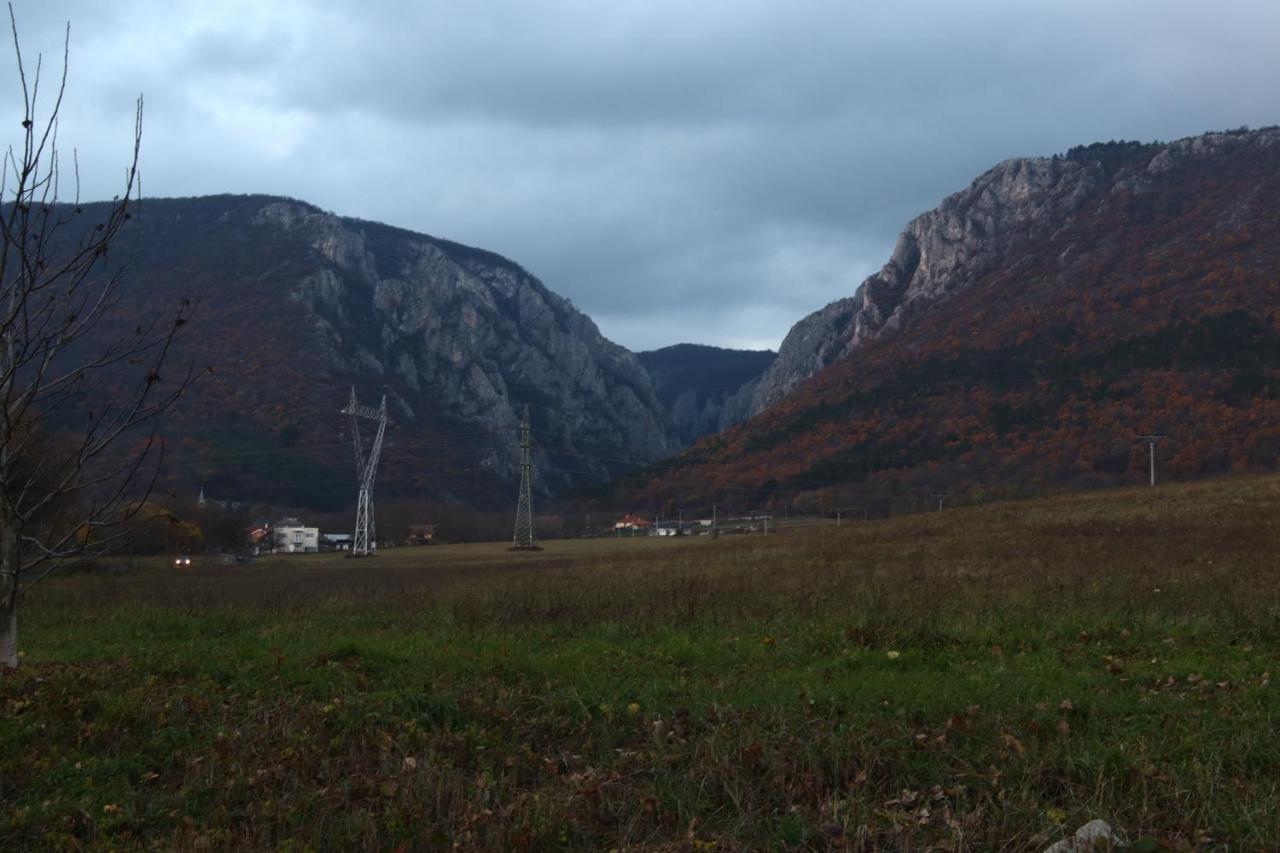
<point x="82" y="398"/>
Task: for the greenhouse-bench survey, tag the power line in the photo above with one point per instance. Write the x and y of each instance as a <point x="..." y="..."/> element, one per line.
<point x="1010" y="380"/>
<point x="643" y="474"/>
<point x="456" y="439"/>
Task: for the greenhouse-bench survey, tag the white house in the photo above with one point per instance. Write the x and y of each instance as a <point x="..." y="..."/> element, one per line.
<point x="292" y="538"/>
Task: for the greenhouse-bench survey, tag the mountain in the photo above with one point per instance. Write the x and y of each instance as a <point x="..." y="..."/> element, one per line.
<point x="297" y="305"/>
<point x="705" y="389"/>
<point x="1026" y="331"/>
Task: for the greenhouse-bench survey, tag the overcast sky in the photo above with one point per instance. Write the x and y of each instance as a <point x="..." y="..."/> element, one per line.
<point x="683" y="171"/>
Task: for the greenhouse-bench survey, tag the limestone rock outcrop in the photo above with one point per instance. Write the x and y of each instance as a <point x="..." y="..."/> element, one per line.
<point x="969" y="235"/>
<point x="297" y="305"/>
<point x="471" y="334"/>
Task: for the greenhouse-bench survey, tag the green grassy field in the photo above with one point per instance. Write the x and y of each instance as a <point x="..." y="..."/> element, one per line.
<point x="981" y="679"/>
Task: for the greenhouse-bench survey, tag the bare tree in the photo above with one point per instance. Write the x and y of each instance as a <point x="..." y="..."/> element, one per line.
<point x="81" y="394"/>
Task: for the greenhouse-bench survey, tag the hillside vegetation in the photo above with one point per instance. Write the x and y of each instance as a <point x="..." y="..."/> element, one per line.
<point x="706" y="389"/>
<point x="294" y="307"/>
<point x="972" y="679"/>
<point x="1056" y="311"/>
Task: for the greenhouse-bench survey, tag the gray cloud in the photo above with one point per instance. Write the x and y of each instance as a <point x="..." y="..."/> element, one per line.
<point x="707" y="172"/>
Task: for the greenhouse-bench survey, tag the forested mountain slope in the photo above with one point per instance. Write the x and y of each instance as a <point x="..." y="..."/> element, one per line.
<point x="297" y="305"/>
<point x="1026" y="331"/>
<point x="705" y="389"/>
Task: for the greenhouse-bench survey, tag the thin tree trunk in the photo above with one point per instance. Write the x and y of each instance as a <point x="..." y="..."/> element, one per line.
<point x="8" y="596"/>
<point x="9" y="634"/>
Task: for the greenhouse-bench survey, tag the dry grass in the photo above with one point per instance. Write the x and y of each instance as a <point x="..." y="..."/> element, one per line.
<point x="1104" y="655"/>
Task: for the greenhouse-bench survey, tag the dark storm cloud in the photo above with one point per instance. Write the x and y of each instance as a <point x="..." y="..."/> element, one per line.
<point x="706" y="172"/>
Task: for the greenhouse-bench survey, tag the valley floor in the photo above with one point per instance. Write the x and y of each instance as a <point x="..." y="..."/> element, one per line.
<point x="985" y="678"/>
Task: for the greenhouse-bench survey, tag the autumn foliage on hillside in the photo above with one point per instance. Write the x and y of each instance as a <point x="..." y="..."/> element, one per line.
<point x="264" y="424"/>
<point x="1154" y="310"/>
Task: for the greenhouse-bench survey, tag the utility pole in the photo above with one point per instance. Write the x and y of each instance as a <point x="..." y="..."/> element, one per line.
<point x="713" y="519"/>
<point x="1151" y="440"/>
<point x="364" y="540"/>
<point x="523" y="538"/>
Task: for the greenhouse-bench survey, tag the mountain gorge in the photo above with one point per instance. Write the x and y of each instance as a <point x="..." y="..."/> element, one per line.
<point x="1025" y="331"/>
<point x="1021" y="334"/>
<point x="296" y="306"/>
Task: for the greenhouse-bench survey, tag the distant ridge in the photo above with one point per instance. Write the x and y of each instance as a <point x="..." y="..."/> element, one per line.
<point x="297" y="305"/>
<point x="706" y="389"/>
<point x="1023" y="333"/>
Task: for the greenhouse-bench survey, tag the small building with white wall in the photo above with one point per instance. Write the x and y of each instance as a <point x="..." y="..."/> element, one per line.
<point x="336" y="541"/>
<point x="292" y="537"/>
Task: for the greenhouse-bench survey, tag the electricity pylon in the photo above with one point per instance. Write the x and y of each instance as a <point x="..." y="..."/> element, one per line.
<point x="523" y="539"/>
<point x="364" y="542"/>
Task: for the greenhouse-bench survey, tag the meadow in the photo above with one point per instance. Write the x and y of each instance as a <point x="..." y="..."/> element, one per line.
<point x="984" y="678"/>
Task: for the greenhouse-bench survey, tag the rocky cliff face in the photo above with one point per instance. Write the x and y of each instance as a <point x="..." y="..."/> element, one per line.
<point x="1023" y="332"/>
<point x="468" y="333"/>
<point x="299" y="304"/>
<point x="969" y="235"/>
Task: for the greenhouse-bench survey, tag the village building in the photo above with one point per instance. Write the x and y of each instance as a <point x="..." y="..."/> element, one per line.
<point x="632" y="524"/>
<point x="336" y="541"/>
<point x="259" y="536"/>
<point x="290" y="536"/>
<point x="421" y="534"/>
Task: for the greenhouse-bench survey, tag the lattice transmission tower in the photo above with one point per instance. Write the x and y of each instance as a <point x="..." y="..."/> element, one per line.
<point x="523" y="540"/>
<point x="364" y="541"/>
